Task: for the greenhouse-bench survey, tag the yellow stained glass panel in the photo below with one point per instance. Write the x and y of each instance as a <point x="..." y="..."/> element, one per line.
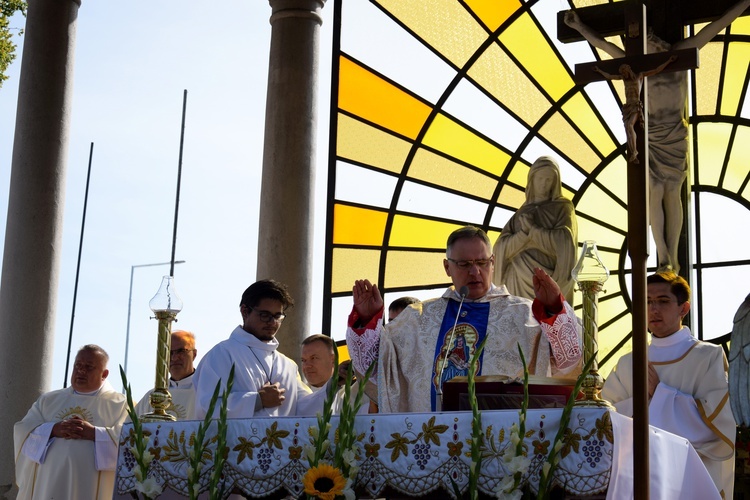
<point x="451" y="138"/>
<point x="525" y="41"/>
<point x="559" y="132"/>
<point x="598" y="204"/>
<point x="714" y="140"/>
<point x="741" y="26"/>
<point x="519" y="174"/>
<point x="502" y="78"/>
<point x="707" y="83"/>
<point x="403" y="266"/>
<point x="511" y="196"/>
<point x="366" y="144"/>
<point x="350" y="265"/>
<point x="603" y="235"/>
<point x="444" y="24"/>
<point x="439" y="170"/>
<point x="592" y="128"/>
<point x="614" y="177"/>
<point x="739" y="161"/>
<point x="419" y="233"/>
<point x="358" y="226"/>
<point x="738" y="57"/>
<point x="385" y="104"/>
<point x="492" y="12"/>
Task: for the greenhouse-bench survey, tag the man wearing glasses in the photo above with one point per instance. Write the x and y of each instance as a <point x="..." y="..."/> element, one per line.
<point x="266" y="382"/>
<point x="413" y="350"/>
<point x="181" y="358"/>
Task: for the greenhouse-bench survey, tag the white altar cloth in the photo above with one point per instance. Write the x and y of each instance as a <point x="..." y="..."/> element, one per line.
<point x="415" y="453"/>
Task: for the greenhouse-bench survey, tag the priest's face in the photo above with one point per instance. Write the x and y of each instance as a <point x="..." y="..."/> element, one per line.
<point x="89" y="371"/>
<point x="318" y="363"/>
<point x="264" y="319"/>
<point x="470" y="263"/>
<point x="181" y="356"/>
<point x="664" y="313"/>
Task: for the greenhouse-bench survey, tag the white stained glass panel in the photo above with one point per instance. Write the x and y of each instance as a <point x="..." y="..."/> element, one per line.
<point x="719" y="243"/>
<point x="363" y="186"/>
<point x="494" y="122"/>
<point x="435" y="203"/>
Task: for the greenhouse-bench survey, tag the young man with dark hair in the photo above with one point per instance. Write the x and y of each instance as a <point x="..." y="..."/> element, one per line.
<point x="266" y="382"/>
<point x="687" y="381"/>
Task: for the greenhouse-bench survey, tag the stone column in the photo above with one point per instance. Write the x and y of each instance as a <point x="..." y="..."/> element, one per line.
<point x="285" y="235"/>
<point x="31" y="258"/>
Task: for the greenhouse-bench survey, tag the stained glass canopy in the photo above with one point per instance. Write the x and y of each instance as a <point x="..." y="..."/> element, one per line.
<point x="439" y="108"/>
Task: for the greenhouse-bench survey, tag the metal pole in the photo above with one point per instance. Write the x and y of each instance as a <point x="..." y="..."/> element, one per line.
<point x="179" y="179"/>
<point x="78" y="268"/>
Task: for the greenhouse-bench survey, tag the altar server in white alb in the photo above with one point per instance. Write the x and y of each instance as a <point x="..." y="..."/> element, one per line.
<point x="66" y="445"/>
<point x="181" y="357"/>
<point x="417" y="352"/>
<point x="687" y="381"/>
<point x="266" y="382"/>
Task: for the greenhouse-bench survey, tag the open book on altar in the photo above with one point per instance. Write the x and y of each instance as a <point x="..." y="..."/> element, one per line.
<point x="499" y="392"/>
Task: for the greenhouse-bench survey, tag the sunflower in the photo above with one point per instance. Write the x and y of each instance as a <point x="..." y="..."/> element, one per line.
<point x="324" y="482"/>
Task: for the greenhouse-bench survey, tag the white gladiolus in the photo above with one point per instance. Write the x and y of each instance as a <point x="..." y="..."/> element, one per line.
<point x="138" y="474"/>
<point x="150" y="488"/>
<point x="147" y="457"/>
<point x="135" y="453"/>
<point x="545" y="468"/>
<point x="348" y="491"/>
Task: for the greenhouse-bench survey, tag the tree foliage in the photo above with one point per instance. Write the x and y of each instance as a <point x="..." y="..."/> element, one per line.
<point x="7" y="47"/>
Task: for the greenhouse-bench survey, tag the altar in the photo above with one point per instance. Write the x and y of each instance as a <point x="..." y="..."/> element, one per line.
<point x="416" y="454"/>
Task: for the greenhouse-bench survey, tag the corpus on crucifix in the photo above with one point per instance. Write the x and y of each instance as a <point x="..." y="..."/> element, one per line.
<point x="667" y="128"/>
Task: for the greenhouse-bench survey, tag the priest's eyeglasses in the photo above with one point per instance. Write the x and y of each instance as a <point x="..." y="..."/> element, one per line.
<point x="267" y="316"/>
<point x="465" y="265"/>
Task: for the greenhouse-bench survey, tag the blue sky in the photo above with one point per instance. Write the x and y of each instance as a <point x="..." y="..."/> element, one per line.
<point x="132" y="63"/>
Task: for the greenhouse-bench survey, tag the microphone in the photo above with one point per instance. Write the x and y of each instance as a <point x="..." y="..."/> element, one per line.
<point x="463" y="292"/>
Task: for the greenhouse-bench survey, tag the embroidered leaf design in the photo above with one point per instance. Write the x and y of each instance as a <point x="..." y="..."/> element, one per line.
<point x="274" y="436"/>
<point x="174" y="449"/>
<point x="245" y="448"/>
<point x="398" y="445"/>
<point x="604" y="428"/>
<point x="488" y="432"/>
<point x="431" y="431"/>
<point x="571" y="441"/>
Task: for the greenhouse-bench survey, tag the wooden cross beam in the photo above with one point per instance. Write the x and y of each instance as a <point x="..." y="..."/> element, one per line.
<point x="685" y="59"/>
<point x="606" y="19"/>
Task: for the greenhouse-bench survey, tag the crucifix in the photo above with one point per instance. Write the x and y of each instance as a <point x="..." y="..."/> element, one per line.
<point x="665" y="146"/>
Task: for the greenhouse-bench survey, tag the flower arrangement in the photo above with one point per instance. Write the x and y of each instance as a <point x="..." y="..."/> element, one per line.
<point x="324" y="480"/>
<point x="145" y="484"/>
<point x="199" y="454"/>
<point x="513" y="486"/>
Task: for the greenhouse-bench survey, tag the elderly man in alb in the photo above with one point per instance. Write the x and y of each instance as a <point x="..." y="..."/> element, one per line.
<point x="66" y="445"/>
<point x="412" y="349"/>
<point x="181" y="370"/>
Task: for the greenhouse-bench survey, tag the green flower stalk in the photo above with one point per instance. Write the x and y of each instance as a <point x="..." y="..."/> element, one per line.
<point x="553" y="458"/>
<point x="199" y="451"/>
<point x="477" y="438"/>
<point x="143" y="458"/>
<point x="222" y="450"/>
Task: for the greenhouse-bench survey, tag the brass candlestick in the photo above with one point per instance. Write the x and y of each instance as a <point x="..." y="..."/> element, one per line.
<point x="165" y="305"/>
<point x="590" y="274"/>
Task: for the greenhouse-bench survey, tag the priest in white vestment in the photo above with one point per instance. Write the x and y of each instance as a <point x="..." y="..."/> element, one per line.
<point x="266" y="382"/>
<point x="66" y="445"/>
<point x="421" y="349"/>
<point x="181" y="357"/>
<point x="687" y="382"/>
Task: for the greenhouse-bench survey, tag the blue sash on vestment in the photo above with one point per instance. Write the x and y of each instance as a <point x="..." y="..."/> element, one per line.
<point x="470" y="331"/>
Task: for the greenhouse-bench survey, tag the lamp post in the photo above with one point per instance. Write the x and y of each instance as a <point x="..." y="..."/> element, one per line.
<point x="130" y="303"/>
<point x="590" y="274"/>
<point x="165" y="304"/>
